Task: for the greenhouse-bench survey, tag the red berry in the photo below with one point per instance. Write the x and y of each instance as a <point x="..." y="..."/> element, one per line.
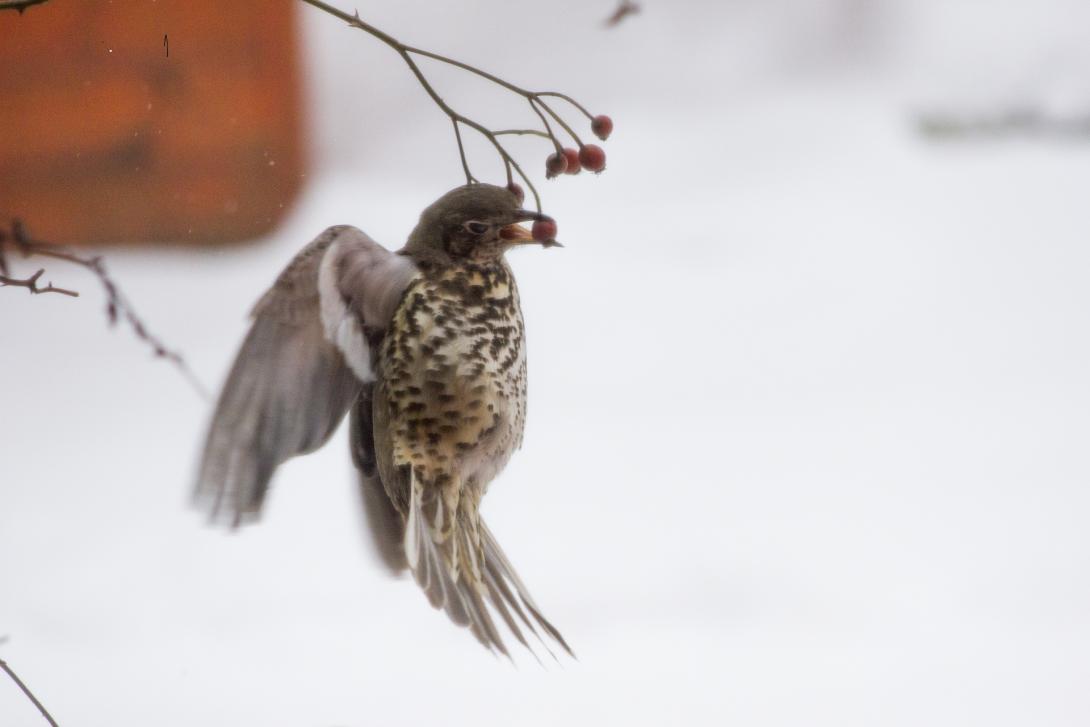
<point x="572" y="157"/>
<point x="602" y="126"/>
<point x="544" y="230"/>
<point x="592" y="158"/>
<point x="555" y="165"/>
<point x="516" y="190"/>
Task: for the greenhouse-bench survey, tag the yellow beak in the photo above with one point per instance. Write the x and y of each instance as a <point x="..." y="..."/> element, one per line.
<point x="517" y="234"/>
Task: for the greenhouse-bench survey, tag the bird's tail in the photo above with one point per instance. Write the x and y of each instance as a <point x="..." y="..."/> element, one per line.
<point x="500" y="578"/>
<point x="457" y="561"/>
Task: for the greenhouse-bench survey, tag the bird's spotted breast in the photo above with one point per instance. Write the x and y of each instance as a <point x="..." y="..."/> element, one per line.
<point x="454" y="366"/>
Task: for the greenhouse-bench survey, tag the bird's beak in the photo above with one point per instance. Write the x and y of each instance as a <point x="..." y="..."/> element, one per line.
<point x="519" y="235"/>
<point x="516" y="234"/>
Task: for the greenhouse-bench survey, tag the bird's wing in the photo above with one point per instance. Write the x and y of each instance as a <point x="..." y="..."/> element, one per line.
<point x="301" y="366"/>
<point x="386" y="526"/>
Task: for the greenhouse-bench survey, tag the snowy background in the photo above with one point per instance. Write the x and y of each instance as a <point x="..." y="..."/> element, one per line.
<point x="809" y="397"/>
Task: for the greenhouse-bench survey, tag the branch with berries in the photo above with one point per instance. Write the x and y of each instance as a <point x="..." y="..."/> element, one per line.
<point x="118" y="307"/>
<point x="563" y="160"/>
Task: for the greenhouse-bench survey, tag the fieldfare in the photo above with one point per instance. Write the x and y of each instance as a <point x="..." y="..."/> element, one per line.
<point x="425" y="347"/>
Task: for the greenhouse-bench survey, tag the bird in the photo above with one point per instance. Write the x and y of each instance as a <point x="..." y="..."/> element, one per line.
<point x="423" y="350"/>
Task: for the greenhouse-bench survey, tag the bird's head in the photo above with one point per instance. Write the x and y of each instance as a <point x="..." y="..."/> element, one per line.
<point x="476" y="222"/>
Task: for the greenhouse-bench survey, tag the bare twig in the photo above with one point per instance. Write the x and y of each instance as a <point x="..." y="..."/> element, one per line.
<point x="19" y="5"/>
<point x="535" y="132"/>
<point x="117" y="305"/>
<point x="1016" y="121"/>
<point x="31" y="284"/>
<point x="624" y="9"/>
<point x="407" y="54"/>
<point x="559" y="120"/>
<point x="462" y="152"/>
<point x="29" y="694"/>
<point x="548" y="129"/>
<point x="570" y="100"/>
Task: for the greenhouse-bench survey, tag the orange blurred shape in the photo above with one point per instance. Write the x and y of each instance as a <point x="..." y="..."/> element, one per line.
<point x="106" y="138"/>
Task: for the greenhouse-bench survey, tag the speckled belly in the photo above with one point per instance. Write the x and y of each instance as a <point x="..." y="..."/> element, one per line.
<point x="455" y="370"/>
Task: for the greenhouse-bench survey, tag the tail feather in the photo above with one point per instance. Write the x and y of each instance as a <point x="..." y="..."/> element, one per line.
<point x="496" y="599"/>
<point x="497" y="583"/>
<point x="503" y="570"/>
<point x="462" y="570"/>
<point x="431" y="549"/>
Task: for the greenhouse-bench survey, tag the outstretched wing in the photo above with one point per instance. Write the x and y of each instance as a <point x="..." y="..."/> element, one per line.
<point x="302" y="364"/>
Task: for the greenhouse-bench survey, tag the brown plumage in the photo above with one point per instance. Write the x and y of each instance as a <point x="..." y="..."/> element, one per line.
<point x="426" y="347"/>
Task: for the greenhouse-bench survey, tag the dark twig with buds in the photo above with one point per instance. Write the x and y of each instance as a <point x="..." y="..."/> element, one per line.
<point x="29" y="694"/>
<point x="117" y="306"/>
<point x="589" y="156"/>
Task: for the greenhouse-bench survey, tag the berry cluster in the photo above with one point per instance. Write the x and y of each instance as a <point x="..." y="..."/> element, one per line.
<point x="590" y="156"/>
<point x="565" y="160"/>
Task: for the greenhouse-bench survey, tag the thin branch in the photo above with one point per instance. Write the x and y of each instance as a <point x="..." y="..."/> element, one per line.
<point x="29" y="694"/>
<point x="470" y="179"/>
<point x="117" y="305"/>
<point x="31" y="284"/>
<point x="508" y="160"/>
<point x="472" y="69"/>
<point x="535" y="132"/>
<point x="537" y="199"/>
<point x="561" y="121"/>
<point x="1017" y="120"/>
<point x="457" y="119"/>
<point x="548" y="129"/>
<point x="19" y="5"/>
<point x="570" y="100"/>
<point x="626" y="8"/>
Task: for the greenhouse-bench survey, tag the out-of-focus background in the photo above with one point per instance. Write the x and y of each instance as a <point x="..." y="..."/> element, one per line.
<point x="809" y="394"/>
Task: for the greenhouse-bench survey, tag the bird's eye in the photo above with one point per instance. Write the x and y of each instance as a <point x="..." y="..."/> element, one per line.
<point x="477" y="228"/>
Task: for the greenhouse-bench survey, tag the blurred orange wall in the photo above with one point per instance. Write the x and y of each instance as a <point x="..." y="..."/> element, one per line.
<point x="104" y="138"/>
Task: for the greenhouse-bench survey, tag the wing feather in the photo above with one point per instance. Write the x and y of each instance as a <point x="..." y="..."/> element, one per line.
<point x="301" y="366"/>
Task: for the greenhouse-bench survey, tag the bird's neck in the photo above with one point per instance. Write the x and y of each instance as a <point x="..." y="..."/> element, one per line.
<point x="475" y="283"/>
<point x="495" y="267"/>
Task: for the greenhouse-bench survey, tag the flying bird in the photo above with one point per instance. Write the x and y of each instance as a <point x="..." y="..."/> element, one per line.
<point x="423" y="348"/>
